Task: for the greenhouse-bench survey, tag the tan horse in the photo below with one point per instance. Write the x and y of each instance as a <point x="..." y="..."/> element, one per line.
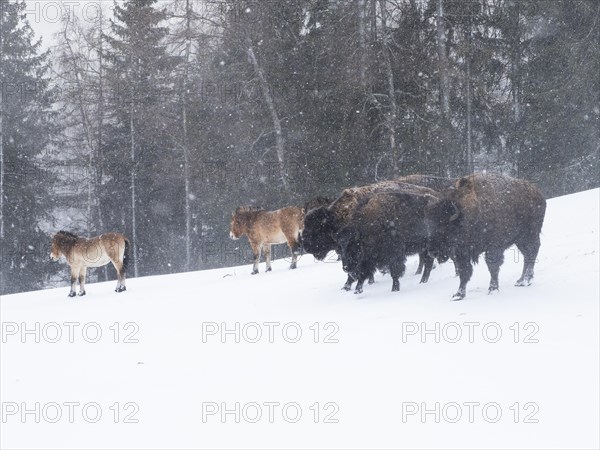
<point x="265" y="228"/>
<point x="82" y="253"/>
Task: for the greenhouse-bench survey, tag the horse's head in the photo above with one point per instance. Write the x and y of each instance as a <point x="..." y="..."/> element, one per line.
<point x="239" y="222"/>
<point x="54" y="250"/>
<point x="60" y="243"/>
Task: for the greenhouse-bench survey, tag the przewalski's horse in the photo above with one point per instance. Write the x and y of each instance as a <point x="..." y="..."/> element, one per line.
<point x="265" y="228"/>
<point x="82" y="253"/>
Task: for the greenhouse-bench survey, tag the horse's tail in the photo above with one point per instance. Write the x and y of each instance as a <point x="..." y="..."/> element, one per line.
<point x="126" y="255"/>
<point x="300" y="243"/>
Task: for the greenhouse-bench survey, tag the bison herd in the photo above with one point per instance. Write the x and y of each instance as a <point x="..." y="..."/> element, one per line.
<point x="376" y="227"/>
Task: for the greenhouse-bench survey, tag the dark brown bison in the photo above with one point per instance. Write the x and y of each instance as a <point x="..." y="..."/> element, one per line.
<point x="436" y="183"/>
<point x="322" y="224"/>
<point x="486" y="213"/>
<point x="316" y="202"/>
<point x="385" y="229"/>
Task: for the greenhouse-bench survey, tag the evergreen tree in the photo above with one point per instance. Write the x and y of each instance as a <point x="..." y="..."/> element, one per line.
<point x="139" y="148"/>
<point x="27" y="130"/>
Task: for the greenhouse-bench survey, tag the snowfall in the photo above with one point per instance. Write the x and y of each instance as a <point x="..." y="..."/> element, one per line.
<point x="286" y="359"/>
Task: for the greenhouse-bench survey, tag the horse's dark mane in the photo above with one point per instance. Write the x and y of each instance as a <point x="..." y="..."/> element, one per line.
<point x="248" y="209"/>
<point x="67" y="234"/>
<point x="65" y="240"/>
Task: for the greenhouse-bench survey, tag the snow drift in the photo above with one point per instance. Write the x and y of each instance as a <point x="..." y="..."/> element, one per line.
<point x="223" y="359"/>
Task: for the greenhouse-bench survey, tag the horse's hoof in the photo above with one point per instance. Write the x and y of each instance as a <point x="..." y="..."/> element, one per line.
<point x="254" y="272"/>
<point x="72" y="294"/>
<point x="81" y="294"/>
<point x="371" y="281"/>
<point x="457" y="296"/>
<point x="120" y="289"/>
<point x="522" y="283"/>
<point x="346" y="288"/>
<point x="293" y="266"/>
<point x="269" y="269"/>
<point x="492" y="290"/>
<point x="358" y="291"/>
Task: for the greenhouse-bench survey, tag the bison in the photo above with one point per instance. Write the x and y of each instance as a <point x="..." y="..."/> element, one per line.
<point x="321" y="225"/>
<point x="385" y="229"/>
<point x="438" y="184"/>
<point x="486" y="213"/>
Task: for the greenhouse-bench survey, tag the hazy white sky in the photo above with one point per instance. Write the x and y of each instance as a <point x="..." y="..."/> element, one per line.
<point x="44" y="15"/>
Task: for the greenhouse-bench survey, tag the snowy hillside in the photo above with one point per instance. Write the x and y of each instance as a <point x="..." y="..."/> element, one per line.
<point x="373" y="378"/>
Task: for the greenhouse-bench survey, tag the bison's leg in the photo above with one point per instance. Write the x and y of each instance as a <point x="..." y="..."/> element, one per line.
<point x="348" y="285"/>
<point x="82" y="281"/>
<point x="422" y="257"/>
<point x="359" y="285"/>
<point x="530" y="251"/>
<point x="465" y="270"/>
<point x="256" y="253"/>
<point x="396" y="271"/>
<point x="428" y="264"/>
<point x="494" y="258"/>
<point x="266" y="249"/>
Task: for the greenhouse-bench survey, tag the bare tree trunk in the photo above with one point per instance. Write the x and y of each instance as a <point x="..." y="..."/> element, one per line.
<point x="132" y="187"/>
<point x="99" y="169"/>
<point x="279" y="141"/>
<point x="516" y="88"/>
<point x="442" y="59"/>
<point x="469" y="153"/>
<point x="2" y="242"/>
<point x="186" y="163"/>
<point x="362" y="43"/>
<point x="392" y="114"/>
<point x="444" y="85"/>
<point x="85" y="119"/>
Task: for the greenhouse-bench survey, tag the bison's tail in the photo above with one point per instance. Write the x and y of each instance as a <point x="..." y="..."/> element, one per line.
<point x="126" y="255"/>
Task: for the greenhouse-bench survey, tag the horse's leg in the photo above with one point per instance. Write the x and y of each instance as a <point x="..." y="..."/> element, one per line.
<point x="120" y="268"/>
<point x="266" y="248"/>
<point x="82" y="272"/>
<point x="256" y="252"/>
<point x="294" y="247"/>
<point x="74" y="275"/>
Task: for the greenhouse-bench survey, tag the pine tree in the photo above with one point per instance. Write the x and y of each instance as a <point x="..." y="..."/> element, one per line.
<point x="27" y="130"/>
<point x="141" y="107"/>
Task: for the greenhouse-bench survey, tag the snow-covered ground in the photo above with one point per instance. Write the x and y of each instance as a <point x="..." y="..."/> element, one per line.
<point x="375" y="377"/>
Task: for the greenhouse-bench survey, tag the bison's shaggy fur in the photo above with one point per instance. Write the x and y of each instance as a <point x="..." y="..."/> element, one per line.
<point x="385" y="229"/>
<point x="316" y="202"/>
<point x="487" y="213"/>
<point x="438" y="184"/>
<point x="321" y="225"/>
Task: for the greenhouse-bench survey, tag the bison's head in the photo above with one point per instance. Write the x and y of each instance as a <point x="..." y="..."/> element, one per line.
<point x="318" y="236"/>
<point x="351" y="248"/>
<point x="442" y="218"/>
